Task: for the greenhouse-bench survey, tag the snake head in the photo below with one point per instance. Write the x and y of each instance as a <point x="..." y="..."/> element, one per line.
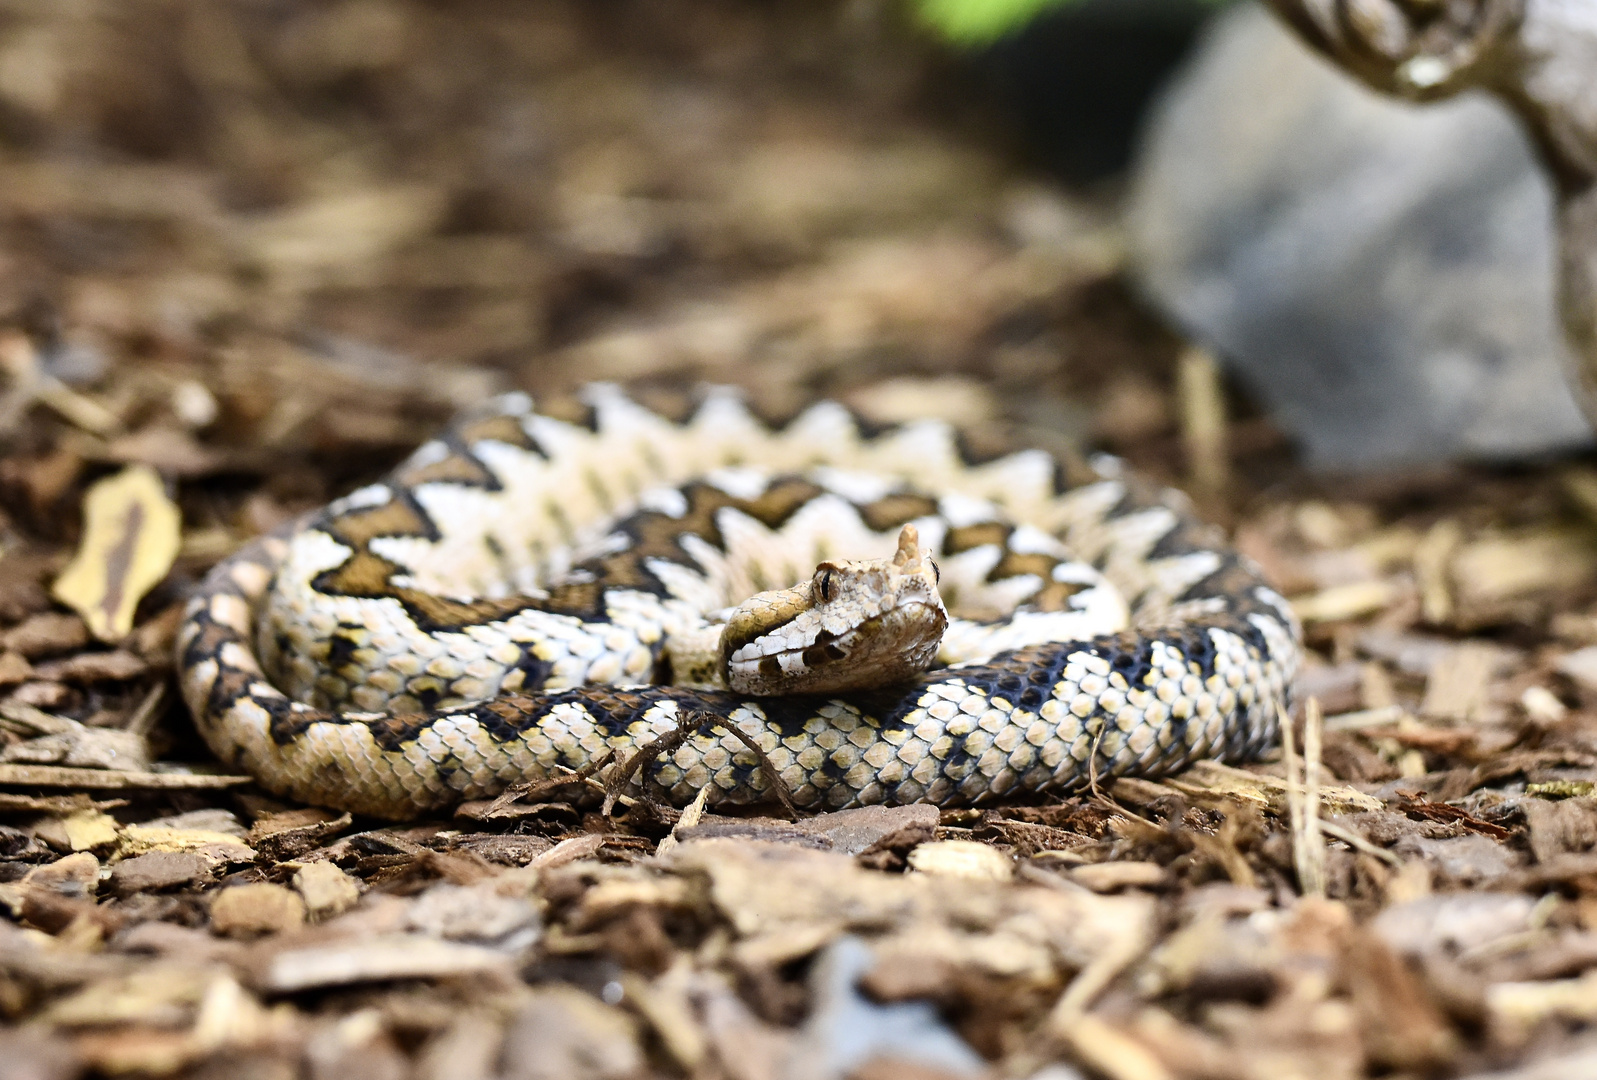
<point x="854" y="625"/>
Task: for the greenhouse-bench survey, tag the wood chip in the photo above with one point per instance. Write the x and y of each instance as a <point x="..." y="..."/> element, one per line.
<point x="1581" y="667"/>
<point x="326" y="889"/>
<point x="43" y="695"/>
<point x="159" y="995"/>
<point x="291" y="834"/>
<point x="896" y="401"/>
<point x="375" y="959"/>
<point x="76" y="875"/>
<point x="1503" y="576"/>
<point x="55" y="805"/>
<point x="45" y="634"/>
<point x="1264" y="790"/>
<point x="76" y="745"/>
<point x="1459" y="686"/>
<point x="1432" y="566"/>
<point x="1519" y="1006"/>
<point x="1542" y="706"/>
<point x="259" y="908"/>
<point x="158" y="870"/>
<point x="1345" y="601"/>
<point x="56" y="776"/>
<point x="91" y="667"/>
<point x="82" y="830"/>
<point x="343" y="229"/>
<point x="962" y="859"/>
<point x="14" y="669"/>
<point x="1114" y="876"/>
<point x="217" y="847"/>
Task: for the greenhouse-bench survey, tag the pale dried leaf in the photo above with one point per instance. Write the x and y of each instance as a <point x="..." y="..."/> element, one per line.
<point x="130" y="537"/>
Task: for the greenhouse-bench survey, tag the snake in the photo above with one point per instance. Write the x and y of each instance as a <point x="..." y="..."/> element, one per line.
<point x="538" y="588"/>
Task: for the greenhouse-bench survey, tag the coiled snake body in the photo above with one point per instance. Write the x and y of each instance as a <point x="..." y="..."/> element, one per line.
<point x="503" y="608"/>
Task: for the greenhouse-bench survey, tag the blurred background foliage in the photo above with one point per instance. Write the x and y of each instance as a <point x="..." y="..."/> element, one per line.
<point x="979" y="22"/>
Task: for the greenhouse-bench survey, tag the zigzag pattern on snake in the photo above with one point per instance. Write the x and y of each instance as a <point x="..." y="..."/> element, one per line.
<point x="498" y="610"/>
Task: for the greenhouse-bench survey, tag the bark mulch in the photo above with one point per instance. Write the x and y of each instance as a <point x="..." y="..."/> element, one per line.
<point x="250" y="254"/>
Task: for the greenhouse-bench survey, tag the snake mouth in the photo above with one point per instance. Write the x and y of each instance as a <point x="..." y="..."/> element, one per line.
<point x="890" y="647"/>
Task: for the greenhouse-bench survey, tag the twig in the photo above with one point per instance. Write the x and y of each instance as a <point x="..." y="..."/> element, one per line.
<point x="688" y="724"/>
<point x="772" y="777"/>
<point x="1433" y="559"/>
<point x="1107" y="802"/>
<point x="143" y="719"/>
<point x="1365" y="718"/>
<point x="1354" y="840"/>
<point x="534" y="790"/>
<point x="1303" y="800"/>
<point x="691" y="723"/>
<point x="1092" y="764"/>
<point x="1095" y="978"/>
<point x="31" y="383"/>
<point x="1294" y="780"/>
<point x="1313" y="842"/>
<point x="1203" y="421"/>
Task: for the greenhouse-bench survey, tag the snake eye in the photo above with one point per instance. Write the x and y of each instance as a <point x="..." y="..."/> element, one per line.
<point x="826" y="586"/>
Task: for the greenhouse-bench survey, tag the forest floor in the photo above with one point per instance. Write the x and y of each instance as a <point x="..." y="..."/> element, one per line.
<point x="265" y="250"/>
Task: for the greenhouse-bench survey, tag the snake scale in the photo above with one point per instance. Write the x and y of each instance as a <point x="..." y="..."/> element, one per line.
<point x="502" y="609"/>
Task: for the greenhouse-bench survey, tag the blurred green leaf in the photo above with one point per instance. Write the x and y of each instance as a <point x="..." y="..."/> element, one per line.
<point x="978" y="22"/>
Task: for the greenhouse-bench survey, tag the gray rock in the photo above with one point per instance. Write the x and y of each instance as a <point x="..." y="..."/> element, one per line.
<point x="847" y="1030"/>
<point x="1380" y="274"/>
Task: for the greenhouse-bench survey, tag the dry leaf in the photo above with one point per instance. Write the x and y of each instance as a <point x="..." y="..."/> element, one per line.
<point x="130" y="537"/>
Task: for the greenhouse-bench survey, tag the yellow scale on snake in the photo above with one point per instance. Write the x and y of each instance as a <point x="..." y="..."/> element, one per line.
<point x="529" y="592"/>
